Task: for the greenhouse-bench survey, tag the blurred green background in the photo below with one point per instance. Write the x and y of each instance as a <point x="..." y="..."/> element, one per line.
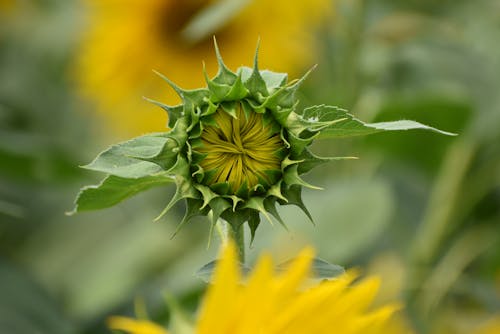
<point x="419" y="209"/>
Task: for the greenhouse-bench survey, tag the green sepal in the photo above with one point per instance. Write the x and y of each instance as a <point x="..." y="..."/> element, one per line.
<point x="238" y="90"/>
<point x="284" y="97"/>
<point x="281" y="115"/>
<point x="275" y="190"/>
<point x="256" y="107"/>
<point x="253" y="223"/>
<point x="273" y="176"/>
<point x="210" y="108"/>
<point x="184" y="183"/>
<point x="179" y="132"/>
<point x="231" y="108"/>
<point x="291" y="177"/>
<point x="198" y="174"/>
<point x="218" y="91"/>
<point x="246" y="107"/>
<point x="173" y="112"/>
<point x="193" y="209"/>
<point x="297" y="144"/>
<point x="218" y="205"/>
<point x="270" y="206"/>
<point x="224" y="76"/>
<point x="184" y="190"/>
<point x="294" y="196"/>
<point x="222" y="188"/>
<point x="243" y="190"/>
<point x="310" y="161"/>
<point x="195" y="114"/>
<point x="235" y="199"/>
<point x="190" y="97"/>
<point x="206" y="193"/>
<point x="236" y="218"/>
<point x="255" y="83"/>
<point x="197" y="157"/>
<point x="195" y="132"/>
<point x="113" y="189"/>
<point x="274" y="80"/>
<point x="289" y="162"/>
<point x="257" y="203"/>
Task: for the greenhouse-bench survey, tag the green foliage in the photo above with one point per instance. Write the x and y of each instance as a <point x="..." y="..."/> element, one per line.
<point x="26" y="308"/>
<point x="113" y="189"/>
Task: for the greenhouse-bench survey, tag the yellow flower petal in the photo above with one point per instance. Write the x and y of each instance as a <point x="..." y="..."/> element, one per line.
<point x="240" y="150"/>
<point x="133" y="326"/>
<point x="125" y="40"/>
<point x="271" y="303"/>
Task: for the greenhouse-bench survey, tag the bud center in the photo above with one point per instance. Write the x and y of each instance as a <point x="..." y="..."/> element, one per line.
<point x="243" y="151"/>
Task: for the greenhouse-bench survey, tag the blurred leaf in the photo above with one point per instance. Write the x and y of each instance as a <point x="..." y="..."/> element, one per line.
<point x="114" y="189"/>
<point x="11" y="209"/>
<point x="205" y="273"/>
<point x="25" y="308"/>
<point x="319" y="268"/>
<point x="350" y="216"/>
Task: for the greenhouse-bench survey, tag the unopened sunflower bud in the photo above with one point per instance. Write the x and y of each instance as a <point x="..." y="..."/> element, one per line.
<point x="235" y="148"/>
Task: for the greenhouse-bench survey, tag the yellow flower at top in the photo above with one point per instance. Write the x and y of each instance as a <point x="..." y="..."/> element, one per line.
<point x="278" y="303"/>
<point x="125" y="39"/>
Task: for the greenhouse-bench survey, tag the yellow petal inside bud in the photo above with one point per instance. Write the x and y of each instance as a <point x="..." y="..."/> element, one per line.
<point x="240" y="149"/>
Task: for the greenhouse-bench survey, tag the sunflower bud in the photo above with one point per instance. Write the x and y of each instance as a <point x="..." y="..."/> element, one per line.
<point x="241" y="150"/>
<point x="235" y="148"/>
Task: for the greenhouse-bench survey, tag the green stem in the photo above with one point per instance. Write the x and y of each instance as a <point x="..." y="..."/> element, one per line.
<point x="237" y="233"/>
<point x="227" y="231"/>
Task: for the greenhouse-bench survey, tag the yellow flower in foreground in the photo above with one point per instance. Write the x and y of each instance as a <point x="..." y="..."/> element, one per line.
<point x="271" y="303"/>
<point x="135" y="326"/>
<point x="126" y="39"/>
<point x="490" y="327"/>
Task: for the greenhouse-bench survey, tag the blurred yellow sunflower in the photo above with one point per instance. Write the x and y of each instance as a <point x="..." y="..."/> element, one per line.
<point x="271" y="303"/>
<point x="6" y="6"/>
<point x="126" y="39"/>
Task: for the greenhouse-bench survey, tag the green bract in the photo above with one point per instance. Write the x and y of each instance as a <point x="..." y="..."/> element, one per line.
<point x="235" y="149"/>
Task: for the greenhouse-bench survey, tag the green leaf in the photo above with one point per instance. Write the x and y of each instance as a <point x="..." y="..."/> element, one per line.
<point x="325" y="269"/>
<point x="127" y="159"/>
<point x="205" y="273"/>
<point x="113" y="189"/>
<point x="319" y="268"/>
<point x="343" y="124"/>
<point x="26" y="308"/>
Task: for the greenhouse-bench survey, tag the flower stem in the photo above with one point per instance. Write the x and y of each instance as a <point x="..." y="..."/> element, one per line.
<point x="227" y="231"/>
<point x="237" y="233"/>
